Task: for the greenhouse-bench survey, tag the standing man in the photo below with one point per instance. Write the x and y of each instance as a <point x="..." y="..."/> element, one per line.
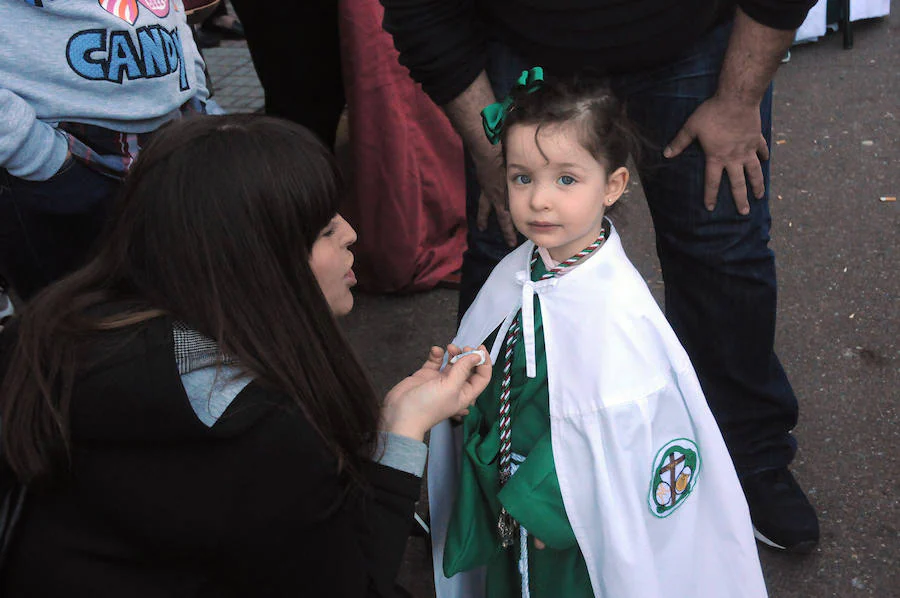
<point x="696" y="77"/>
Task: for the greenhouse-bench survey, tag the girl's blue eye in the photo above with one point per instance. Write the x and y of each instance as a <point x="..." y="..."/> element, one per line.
<point x="522" y="179"/>
<point x="565" y="180"/>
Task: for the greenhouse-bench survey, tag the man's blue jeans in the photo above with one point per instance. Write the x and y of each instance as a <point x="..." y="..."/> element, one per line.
<point x="48" y="228"/>
<point x="719" y="272"/>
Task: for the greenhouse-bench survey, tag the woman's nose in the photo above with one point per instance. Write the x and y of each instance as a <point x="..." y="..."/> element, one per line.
<point x="349" y="234"/>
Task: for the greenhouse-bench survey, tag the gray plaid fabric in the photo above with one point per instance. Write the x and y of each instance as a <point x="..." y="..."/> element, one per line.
<point x="6" y="306"/>
<point x="194" y="351"/>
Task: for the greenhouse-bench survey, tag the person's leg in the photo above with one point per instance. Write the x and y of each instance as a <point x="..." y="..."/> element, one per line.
<point x="296" y="53"/>
<point x="48" y="228"/>
<point x="485" y="248"/>
<point x="719" y="275"/>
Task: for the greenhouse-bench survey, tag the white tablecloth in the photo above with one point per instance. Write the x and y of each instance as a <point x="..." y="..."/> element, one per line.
<point x="815" y="24"/>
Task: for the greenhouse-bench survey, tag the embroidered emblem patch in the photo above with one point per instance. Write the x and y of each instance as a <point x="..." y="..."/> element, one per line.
<point x="675" y="472"/>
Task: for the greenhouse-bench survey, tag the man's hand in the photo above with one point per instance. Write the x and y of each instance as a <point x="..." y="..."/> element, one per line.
<point x="464" y="113"/>
<point x="728" y="125"/>
<point x="492" y="180"/>
<point x="729" y="133"/>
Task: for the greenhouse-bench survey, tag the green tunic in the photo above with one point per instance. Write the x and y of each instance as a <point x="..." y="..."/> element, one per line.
<point x="531" y="496"/>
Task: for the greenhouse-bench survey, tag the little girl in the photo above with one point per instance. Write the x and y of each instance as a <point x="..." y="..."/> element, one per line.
<point x="591" y="465"/>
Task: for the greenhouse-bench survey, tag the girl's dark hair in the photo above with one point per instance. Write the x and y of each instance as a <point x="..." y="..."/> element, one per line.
<point x="214" y="227"/>
<point x="600" y="118"/>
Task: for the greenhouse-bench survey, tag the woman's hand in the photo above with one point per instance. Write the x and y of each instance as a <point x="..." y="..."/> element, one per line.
<point x="430" y="395"/>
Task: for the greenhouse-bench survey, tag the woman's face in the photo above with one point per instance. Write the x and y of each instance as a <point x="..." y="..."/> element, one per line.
<point x="331" y="263"/>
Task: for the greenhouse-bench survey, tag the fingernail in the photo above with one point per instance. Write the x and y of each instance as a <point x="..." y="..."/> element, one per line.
<point x="710" y="207"/>
<point x="667" y="152"/>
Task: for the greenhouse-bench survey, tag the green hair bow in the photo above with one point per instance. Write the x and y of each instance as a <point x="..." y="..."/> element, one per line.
<point x="493" y="116"/>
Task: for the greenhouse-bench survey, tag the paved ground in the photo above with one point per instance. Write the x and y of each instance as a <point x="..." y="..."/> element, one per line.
<point x="837" y="152"/>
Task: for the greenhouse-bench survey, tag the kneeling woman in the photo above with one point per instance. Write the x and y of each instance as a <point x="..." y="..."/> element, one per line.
<point x="184" y="411"/>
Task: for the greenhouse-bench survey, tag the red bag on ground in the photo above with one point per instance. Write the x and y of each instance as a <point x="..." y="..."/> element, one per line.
<point x="408" y="198"/>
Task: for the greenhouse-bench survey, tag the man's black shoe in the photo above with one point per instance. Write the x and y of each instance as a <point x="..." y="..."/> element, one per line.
<point x="782" y="516"/>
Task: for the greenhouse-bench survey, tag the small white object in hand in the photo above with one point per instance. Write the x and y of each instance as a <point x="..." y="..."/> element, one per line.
<point x="478" y="352"/>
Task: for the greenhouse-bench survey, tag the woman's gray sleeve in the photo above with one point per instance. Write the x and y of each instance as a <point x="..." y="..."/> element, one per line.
<point x="400" y="452"/>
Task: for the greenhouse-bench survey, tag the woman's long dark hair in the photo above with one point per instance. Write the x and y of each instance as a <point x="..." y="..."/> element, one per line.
<point x="213" y="226"/>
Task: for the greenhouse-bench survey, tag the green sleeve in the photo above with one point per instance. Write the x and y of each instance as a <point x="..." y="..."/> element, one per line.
<point x="471" y="541"/>
<point x="532" y="496"/>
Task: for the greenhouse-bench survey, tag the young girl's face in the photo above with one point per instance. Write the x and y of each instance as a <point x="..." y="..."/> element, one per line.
<point x="332" y="262"/>
<point x="557" y="198"/>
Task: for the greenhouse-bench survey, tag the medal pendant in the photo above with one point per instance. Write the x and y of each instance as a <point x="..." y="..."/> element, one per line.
<point x="507" y="527"/>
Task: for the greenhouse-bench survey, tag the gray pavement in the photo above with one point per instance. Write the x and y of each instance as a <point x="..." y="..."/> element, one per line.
<point x="836" y="154"/>
<point x="234" y="82"/>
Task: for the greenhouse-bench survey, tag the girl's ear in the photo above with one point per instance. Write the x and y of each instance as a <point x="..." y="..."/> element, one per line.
<point x="616" y="183"/>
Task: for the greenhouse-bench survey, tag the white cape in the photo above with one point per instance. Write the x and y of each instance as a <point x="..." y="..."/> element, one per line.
<point x="622" y="389"/>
